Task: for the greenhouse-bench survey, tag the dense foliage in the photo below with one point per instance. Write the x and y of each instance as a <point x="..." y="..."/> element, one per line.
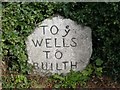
<point x="20" y="19"/>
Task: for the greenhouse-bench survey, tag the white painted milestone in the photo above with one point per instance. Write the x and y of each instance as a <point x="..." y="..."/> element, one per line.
<point x="59" y="45"/>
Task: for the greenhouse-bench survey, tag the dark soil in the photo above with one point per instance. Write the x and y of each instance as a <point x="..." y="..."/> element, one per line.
<point x="102" y="82"/>
<point x="94" y="82"/>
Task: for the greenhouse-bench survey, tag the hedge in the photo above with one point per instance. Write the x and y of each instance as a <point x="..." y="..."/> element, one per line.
<point x="20" y="19"/>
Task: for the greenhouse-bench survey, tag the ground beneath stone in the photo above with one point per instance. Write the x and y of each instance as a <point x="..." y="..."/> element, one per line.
<point x="102" y="82"/>
<point x="94" y="82"/>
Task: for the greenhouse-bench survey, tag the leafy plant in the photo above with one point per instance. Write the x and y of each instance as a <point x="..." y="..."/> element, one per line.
<point x="72" y="79"/>
<point x="98" y="68"/>
<point x="20" y="19"/>
<point x="15" y="81"/>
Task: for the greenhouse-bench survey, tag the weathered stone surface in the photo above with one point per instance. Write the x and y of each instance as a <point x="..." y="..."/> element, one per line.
<point x="58" y="45"/>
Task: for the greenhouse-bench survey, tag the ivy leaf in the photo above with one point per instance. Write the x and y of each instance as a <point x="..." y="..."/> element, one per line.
<point x="99" y="62"/>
